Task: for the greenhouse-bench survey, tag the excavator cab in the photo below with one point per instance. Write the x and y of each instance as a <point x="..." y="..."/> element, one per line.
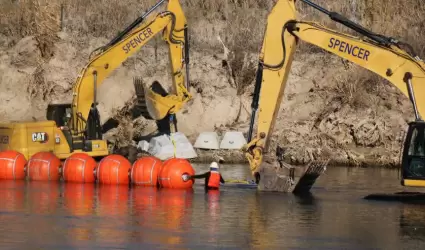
<point x="413" y="159"/>
<point x="60" y="113"/>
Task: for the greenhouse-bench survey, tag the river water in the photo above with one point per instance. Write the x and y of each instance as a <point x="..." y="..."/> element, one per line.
<point x="41" y="215"/>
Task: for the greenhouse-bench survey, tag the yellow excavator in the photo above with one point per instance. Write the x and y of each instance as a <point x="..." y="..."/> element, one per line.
<point x="377" y="53"/>
<point x="76" y="127"/>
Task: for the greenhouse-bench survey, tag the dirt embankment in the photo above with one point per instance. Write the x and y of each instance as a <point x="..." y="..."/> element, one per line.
<point x="331" y="108"/>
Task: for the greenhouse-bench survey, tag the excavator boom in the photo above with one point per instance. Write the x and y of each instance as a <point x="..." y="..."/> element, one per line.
<point x="375" y="52"/>
<point x="173" y="23"/>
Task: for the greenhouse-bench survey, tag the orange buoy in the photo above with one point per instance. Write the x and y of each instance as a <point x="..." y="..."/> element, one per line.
<point x="171" y="174"/>
<point x="144" y="171"/>
<point x="12" y="165"/>
<point x="79" y="167"/>
<point x="113" y="169"/>
<point x="43" y="166"/>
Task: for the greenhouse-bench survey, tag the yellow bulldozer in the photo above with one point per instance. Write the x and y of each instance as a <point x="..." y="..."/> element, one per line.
<point x="76" y="127"/>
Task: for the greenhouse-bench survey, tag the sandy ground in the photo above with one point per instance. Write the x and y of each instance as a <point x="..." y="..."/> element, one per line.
<point x="325" y="112"/>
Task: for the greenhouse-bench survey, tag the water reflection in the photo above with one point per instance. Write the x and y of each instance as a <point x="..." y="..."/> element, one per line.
<point x="174" y="213"/>
<point x="79" y="198"/>
<point x="44" y="197"/>
<point x="144" y="201"/>
<point x="412" y="224"/>
<point x="12" y="201"/>
<point x="79" y="203"/>
<point x="53" y="215"/>
<point x="12" y="195"/>
<point x="212" y="199"/>
<point x="112" y="214"/>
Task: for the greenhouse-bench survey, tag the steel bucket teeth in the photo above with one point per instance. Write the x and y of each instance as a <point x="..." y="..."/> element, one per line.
<point x="311" y="174"/>
<point x="144" y="105"/>
<point x="140" y="106"/>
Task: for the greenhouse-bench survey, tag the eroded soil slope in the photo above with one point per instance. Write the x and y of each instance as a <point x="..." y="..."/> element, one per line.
<point x="331" y="108"/>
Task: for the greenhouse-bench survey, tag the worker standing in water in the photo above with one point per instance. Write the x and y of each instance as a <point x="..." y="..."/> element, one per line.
<point x="212" y="177"/>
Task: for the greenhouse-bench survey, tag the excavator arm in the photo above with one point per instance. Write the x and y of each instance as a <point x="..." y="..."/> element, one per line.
<point x="172" y="23"/>
<point x="377" y="53"/>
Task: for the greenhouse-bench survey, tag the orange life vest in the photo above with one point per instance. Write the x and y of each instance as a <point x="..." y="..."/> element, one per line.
<point x="214" y="180"/>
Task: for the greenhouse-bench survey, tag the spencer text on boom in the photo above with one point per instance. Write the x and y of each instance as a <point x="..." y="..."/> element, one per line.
<point x="137" y="40"/>
<point x="350" y="49"/>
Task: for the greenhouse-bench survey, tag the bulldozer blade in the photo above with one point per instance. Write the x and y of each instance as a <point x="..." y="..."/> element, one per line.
<point x="290" y="179"/>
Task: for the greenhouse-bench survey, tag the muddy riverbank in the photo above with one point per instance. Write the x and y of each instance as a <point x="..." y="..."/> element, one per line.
<point x="238" y="157"/>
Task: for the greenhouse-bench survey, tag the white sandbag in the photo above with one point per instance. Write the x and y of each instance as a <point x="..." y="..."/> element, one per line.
<point x="207" y="140"/>
<point x="143" y="146"/>
<point x="157" y="143"/>
<point x="233" y="140"/>
<point x="163" y="147"/>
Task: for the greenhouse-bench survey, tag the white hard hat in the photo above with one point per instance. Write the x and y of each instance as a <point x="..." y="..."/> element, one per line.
<point x="214" y="165"/>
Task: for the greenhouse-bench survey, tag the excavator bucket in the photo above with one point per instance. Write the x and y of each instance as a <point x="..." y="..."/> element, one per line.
<point x="290" y="179"/>
<point x="147" y="104"/>
<point x="311" y="174"/>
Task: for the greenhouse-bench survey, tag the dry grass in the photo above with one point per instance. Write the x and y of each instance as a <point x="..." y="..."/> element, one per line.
<point x="358" y="88"/>
<point x="404" y="20"/>
<point x="240" y="23"/>
<point x="29" y="17"/>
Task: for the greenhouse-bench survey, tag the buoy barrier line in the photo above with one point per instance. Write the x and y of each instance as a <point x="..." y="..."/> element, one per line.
<point x="132" y="173"/>
<point x="151" y="174"/>
<point x="79" y="159"/>
<point x="14" y="164"/>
